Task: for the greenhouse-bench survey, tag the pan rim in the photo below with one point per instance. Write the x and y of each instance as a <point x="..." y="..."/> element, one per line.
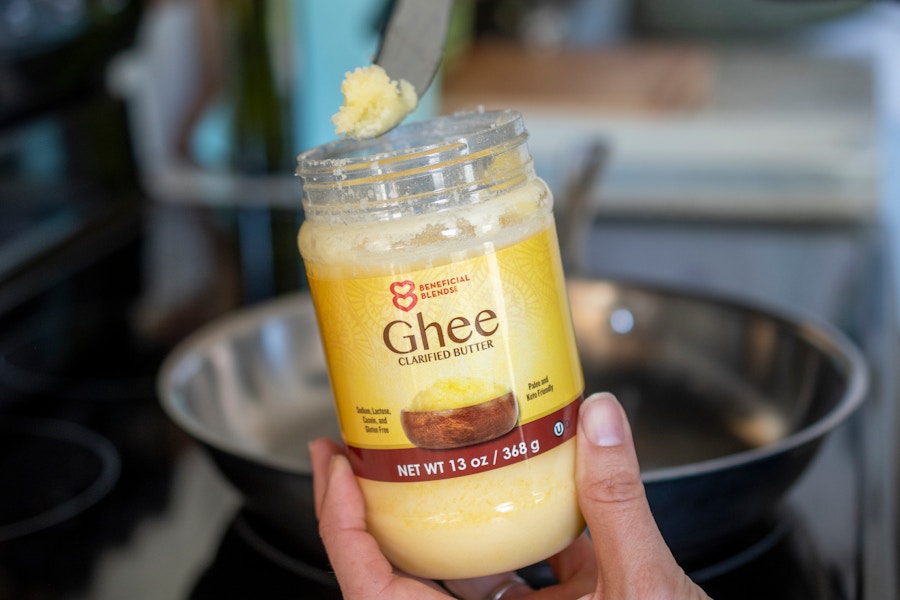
<point x="820" y="334"/>
<point x="825" y="337"/>
<point x="178" y="361"/>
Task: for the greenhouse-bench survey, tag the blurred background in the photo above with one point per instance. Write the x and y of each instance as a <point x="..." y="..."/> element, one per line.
<point x="194" y="111"/>
<point x="147" y="151"/>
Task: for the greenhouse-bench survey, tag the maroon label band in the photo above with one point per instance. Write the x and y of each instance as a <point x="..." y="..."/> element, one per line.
<point x="420" y="464"/>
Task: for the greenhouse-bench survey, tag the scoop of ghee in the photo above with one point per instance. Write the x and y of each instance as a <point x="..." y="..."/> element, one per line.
<point x="373" y="103"/>
<point x="456" y="393"/>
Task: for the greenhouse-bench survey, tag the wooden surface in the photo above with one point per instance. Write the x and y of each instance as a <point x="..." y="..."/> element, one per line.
<point x="636" y="79"/>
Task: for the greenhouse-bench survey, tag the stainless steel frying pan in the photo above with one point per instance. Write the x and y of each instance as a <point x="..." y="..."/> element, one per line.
<point x="728" y="401"/>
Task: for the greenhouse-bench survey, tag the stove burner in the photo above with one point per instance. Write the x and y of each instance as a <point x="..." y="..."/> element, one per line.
<point x="781" y="563"/>
<point x="55" y="476"/>
<point x="772" y="534"/>
<point x="254" y="560"/>
<point x="82" y="356"/>
<point x="279" y="552"/>
<point x="57" y="470"/>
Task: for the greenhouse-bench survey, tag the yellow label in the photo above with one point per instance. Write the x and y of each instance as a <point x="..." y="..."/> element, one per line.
<point x="444" y="338"/>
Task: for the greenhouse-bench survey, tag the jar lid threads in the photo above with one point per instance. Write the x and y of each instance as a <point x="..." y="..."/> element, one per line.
<point x="419" y="167"/>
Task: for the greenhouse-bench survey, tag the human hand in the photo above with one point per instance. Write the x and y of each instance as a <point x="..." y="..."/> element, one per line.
<point x="626" y="558"/>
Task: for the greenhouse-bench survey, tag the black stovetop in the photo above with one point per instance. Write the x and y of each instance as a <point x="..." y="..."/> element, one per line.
<point x="169" y="527"/>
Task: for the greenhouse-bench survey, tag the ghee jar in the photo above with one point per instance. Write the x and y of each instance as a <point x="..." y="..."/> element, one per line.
<point x="435" y="271"/>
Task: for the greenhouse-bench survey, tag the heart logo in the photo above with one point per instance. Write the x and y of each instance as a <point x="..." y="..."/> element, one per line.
<point x="404" y="295"/>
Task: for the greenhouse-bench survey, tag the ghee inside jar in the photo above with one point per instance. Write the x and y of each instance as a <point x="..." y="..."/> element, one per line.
<point x="495" y="507"/>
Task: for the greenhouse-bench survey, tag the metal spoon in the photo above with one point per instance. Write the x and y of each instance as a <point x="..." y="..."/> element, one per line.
<point x="413" y="42"/>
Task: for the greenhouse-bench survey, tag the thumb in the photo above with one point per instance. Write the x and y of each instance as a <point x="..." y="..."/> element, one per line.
<point x="632" y="557"/>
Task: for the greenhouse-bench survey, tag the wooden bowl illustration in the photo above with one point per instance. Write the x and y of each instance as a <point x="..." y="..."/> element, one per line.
<point x="464" y="426"/>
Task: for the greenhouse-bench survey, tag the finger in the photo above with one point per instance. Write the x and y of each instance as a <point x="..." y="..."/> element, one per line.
<point x="631" y="552"/>
<point x="342" y="526"/>
<point x="320" y="452"/>
<point x="575" y="568"/>
<point x="361" y="569"/>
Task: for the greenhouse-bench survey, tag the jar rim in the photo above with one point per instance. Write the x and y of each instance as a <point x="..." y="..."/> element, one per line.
<point x="433" y="140"/>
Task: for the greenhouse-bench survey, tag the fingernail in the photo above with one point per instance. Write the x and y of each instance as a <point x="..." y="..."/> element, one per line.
<point x="312" y="448"/>
<point x="338" y="463"/>
<point x="602" y="420"/>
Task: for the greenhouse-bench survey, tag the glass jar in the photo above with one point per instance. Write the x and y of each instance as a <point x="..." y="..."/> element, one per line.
<point x="435" y="271"/>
